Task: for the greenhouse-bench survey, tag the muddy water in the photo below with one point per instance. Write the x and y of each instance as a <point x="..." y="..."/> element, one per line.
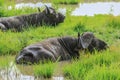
<point x="22" y="72"/>
<point x="13" y="73"/>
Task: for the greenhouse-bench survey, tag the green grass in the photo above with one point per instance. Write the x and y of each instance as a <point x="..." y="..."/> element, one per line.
<point x="104" y="73"/>
<point x="5" y="12"/>
<point x="113" y="22"/>
<point x="44" y="70"/>
<point x="5" y="61"/>
<point x="13" y="42"/>
<point x="100" y="66"/>
<point x="104" y="65"/>
<point x="66" y="1"/>
<point x="1" y="8"/>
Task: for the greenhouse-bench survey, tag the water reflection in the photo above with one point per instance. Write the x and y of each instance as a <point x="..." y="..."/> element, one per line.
<point x="13" y="73"/>
<point x="58" y="78"/>
<point x="90" y="9"/>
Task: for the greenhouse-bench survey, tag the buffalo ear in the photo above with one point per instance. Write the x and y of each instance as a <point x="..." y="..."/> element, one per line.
<point x="86" y="39"/>
<point x="47" y="10"/>
<point x="39" y="10"/>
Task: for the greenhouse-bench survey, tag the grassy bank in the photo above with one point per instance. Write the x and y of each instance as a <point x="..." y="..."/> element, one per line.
<point x="104" y="27"/>
<point x="5" y="61"/>
<point x="104" y="65"/>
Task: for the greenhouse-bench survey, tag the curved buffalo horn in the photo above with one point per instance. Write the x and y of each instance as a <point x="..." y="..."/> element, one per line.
<point x="39" y="10"/>
<point x="86" y="39"/>
<point x="78" y="34"/>
<point x="47" y="10"/>
<point x="78" y="39"/>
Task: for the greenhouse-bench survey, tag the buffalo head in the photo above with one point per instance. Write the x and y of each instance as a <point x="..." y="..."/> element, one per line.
<point x="63" y="48"/>
<point x="17" y="23"/>
<point x="89" y="42"/>
<point x="52" y="17"/>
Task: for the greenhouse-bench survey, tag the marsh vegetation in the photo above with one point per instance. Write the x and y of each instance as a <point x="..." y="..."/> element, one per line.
<point x="98" y="66"/>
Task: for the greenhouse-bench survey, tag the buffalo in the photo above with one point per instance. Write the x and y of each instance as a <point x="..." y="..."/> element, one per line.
<point x="59" y="49"/>
<point x="48" y="16"/>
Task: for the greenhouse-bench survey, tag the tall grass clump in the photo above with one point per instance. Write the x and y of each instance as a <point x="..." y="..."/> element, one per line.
<point x="66" y="1"/>
<point x="77" y="70"/>
<point x="44" y="70"/>
<point x="80" y="27"/>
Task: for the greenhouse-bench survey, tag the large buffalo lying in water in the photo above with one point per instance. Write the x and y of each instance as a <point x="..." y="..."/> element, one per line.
<point x="63" y="48"/>
<point x="49" y="16"/>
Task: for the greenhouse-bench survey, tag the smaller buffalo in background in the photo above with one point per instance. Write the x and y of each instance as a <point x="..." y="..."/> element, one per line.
<point x="48" y="16"/>
<point x="63" y="48"/>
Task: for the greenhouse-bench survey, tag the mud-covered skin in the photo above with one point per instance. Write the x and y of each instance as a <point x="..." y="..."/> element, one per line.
<point x="48" y="16"/>
<point x="63" y="48"/>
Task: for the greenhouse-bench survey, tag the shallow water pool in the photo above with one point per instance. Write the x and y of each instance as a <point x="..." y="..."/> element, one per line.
<point x="91" y="9"/>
